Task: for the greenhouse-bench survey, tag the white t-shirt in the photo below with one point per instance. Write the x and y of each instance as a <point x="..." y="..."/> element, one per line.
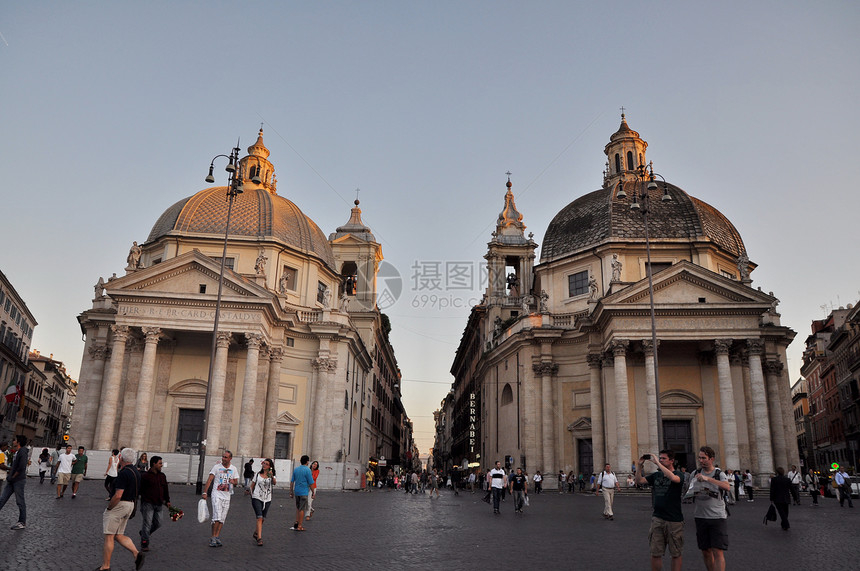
<point x="222" y="487"/>
<point x="262" y="488"/>
<point x="607" y="480"/>
<point x="65" y="463"/>
<point x="497" y="478"/>
<point x="537" y="478"/>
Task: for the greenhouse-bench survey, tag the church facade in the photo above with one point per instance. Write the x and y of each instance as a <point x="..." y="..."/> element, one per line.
<point x="556" y="367"/>
<point x="300" y="349"/>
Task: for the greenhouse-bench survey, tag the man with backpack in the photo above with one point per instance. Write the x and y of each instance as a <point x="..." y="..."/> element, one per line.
<point x="708" y="488"/>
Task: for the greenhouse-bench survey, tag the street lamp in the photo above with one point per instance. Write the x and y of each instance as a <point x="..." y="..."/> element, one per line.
<point x="234" y="188"/>
<point x="641" y="203"/>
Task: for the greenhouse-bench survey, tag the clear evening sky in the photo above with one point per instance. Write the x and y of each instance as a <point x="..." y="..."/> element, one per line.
<point x="111" y="112"/>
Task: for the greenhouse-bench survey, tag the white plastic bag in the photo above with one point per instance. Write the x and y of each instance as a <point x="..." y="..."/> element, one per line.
<point x="526" y="501"/>
<point x="202" y="511"/>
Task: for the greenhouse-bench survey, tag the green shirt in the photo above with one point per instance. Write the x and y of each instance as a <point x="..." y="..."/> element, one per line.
<point x="80" y="466"/>
<point x="666" y="495"/>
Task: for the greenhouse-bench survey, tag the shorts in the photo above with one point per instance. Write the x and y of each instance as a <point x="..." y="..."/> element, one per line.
<point x="302" y="503"/>
<point x="260" y="508"/>
<point x="220" y="507"/>
<point x="115" y="520"/>
<point x="712" y="534"/>
<point x="666" y="534"/>
<point x="63" y="478"/>
<point x="77" y="478"/>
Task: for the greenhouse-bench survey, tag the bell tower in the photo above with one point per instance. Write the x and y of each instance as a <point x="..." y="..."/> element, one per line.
<point x="357" y="255"/>
<point x="510" y="259"/>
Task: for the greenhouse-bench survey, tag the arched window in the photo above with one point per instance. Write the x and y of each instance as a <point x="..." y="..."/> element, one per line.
<point x="254" y="171"/>
<point x="617" y="163"/>
<point x="507" y="395"/>
<point x="629" y="160"/>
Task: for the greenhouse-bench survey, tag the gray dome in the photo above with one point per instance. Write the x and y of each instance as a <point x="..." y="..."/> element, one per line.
<point x="599" y="217"/>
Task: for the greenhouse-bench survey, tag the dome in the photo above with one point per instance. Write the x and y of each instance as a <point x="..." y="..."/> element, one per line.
<point x="599" y="217"/>
<point x="257" y="213"/>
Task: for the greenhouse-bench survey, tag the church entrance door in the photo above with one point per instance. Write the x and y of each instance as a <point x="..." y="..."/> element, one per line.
<point x="190" y="430"/>
<point x="586" y="456"/>
<point x="678" y="437"/>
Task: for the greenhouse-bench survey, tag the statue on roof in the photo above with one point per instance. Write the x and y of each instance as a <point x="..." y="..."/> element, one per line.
<point x="616" y="268"/>
<point x="100" y="287"/>
<point x="743" y="266"/>
<point x="133" y="258"/>
<point x="544" y="301"/>
<point x="260" y="264"/>
<point x="592" y="286"/>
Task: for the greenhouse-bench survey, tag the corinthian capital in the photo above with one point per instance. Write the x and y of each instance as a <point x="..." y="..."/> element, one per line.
<point x="755" y="346"/>
<point x="773" y="367"/>
<point x="648" y="346"/>
<point x="223" y="339"/>
<point x="253" y="340"/>
<point x="99" y="352"/>
<point x="546" y="368"/>
<point x="152" y="334"/>
<point x="120" y="333"/>
<point x="722" y="346"/>
<point x="594" y="360"/>
<point x="619" y="347"/>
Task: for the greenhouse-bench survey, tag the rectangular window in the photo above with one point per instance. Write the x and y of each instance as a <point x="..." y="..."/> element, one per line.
<point x="658" y="266"/>
<point x="229" y="262"/>
<point x="577" y="284"/>
<point x="321" y="288"/>
<point x="202" y="288"/>
<point x="727" y="274"/>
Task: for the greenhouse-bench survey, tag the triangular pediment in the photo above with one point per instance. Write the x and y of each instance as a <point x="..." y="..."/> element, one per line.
<point x="184" y="275"/>
<point x="350" y="239"/>
<point x="686" y="283"/>
<point x="582" y="423"/>
<point x="286" y="418"/>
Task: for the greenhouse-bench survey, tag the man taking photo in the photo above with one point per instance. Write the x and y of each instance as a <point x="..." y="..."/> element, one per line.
<point x="667" y="521"/>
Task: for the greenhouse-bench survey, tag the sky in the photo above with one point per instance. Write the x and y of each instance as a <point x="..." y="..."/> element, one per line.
<point x="111" y="112"/>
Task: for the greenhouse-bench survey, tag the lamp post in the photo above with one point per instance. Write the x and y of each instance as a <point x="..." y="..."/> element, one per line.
<point x="642" y="203"/>
<point x="234" y="188"/>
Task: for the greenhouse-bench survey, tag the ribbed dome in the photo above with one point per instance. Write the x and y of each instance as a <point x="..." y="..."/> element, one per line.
<point x="598" y="217"/>
<point x="257" y="213"/>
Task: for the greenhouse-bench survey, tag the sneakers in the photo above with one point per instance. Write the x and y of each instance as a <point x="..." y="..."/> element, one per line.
<point x="144" y="545"/>
<point x="218" y="542"/>
<point x="212" y="542"/>
<point x="138" y="561"/>
<point x="19" y="525"/>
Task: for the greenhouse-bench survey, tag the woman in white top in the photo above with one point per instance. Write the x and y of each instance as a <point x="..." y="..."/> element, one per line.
<point x="261" y="495"/>
<point x="110" y="473"/>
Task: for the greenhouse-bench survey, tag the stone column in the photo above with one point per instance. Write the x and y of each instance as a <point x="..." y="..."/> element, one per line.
<point x="109" y="409"/>
<point x="86" y="425"/>
<point x="546" y="370"/>
<point x="145" y="389"/>
<point x="596" y="399"/>
<point x="322" y="430"/>
<point x="216" y="403"/>
<point x="270" y="424"/>
<point x="249" y="390"/>
<point x="743" y="361"/>
<point x="728" y="420"/>
<point x="773" y="370"/>
<point x="759" y="406"/>
<point x="622" y="398"/>
<point x="654" y="444"/>
<point x="791" y="452"/>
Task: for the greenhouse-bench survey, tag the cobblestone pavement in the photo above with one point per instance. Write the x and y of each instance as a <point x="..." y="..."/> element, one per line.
<point x="389" y="529"/>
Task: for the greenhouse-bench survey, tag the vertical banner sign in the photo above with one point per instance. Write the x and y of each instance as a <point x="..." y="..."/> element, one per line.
<point x="473" y="415"/>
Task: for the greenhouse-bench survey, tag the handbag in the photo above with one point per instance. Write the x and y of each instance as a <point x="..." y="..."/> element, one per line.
<point x="770" y="515"/>
<point x="202" y="511"/>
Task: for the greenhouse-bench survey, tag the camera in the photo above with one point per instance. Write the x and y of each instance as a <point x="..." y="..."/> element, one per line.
<point x="646" y="456"/>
